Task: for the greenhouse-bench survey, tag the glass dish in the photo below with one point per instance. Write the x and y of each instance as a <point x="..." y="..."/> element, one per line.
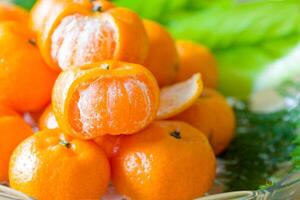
<point x="287" y="189"/>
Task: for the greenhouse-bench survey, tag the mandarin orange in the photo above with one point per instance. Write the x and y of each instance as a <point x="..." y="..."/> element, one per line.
<point x="212" y="115"/>
<point x="195" y="58"/>
<point x="9" y="12"/>
<point x="51" y="165"/>
<point x="110" y="97"/>
<point x="13" y="130"/>
<point x="26" y="81"/>
<point x="75" y="33"/>
<point x="170" y="160"/>
<point x="162" y="59"/>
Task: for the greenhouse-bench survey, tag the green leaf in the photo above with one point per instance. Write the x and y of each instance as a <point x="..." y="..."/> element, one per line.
<point x="27" y="4"/>
<point x="247" y="36"/>
<point x="240" y="25"/>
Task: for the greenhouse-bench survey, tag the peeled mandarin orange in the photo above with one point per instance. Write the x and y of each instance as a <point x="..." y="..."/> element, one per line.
<point x="162" y="59"/>
<point x="26" y="81"/>
<point x="212" y="115"/>
<point x="13" y="130"/>
<point x="51" y="165"/>
<point x="109" y="97"/>
<point x="178" y="97"/>
<point x="43" y="8"/>
<point x="47" y="120"/>
<point x="75" y="33"/>
<point x="195" y="58"/>
<point x="9" y="12"/>
<point x="169" y="160"/>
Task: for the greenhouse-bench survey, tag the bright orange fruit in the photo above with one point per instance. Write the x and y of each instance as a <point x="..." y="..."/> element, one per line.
<point x="169" y="160"/>
<point x="109" y="97"/>
<point x="212" y="115"/>
<point x="47" y="119"/>
<point x="51" y="165"/>
<point x="108" y="143"/>
<point x="195" y="58"/>
<point x="43" y="8"/>
<point x="9" y="12"/>
<point x="178" y="97"/>
<point x="26" y="81"/>
<point x="75" y="33"/>
<point x="12" y="131"/>
<point x="162" y="59"/>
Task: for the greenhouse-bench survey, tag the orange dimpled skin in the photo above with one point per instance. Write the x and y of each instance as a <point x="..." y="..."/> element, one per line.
<point x="195" y="58"/>
<point x="162" y="59"/>
<point x="110" y="97"/>
<point x="108" y="143"/>
<point x="9" y="12"/>
<point x="75" y="33"/>
<point x="25" y="80"/>
<point x="212" y="115"/>
<point x="169" y="160"/>
<point x="50" y="165"/>
<point x="13" y="130"/>
<point x="47" y="119"/>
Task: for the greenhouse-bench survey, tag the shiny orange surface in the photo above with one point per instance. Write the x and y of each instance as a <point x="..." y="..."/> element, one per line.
<point x="26" y="81"/>
<point x="212" y="115"/>
<point x="75" y="33"/>
<point x="10" y="12"/>
<point x="110" y="97"/>
<point x="169" y="161"/>
<point x="195" y="58"/>
<point x="13" y="130"/>
<point x="109" y="144"/>
<point x="47" y="119"/>
<point x="50" y="165"/>
<point x="162" y="59"/>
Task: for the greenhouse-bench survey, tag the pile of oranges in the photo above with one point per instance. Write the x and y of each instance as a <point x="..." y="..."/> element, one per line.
<point x="117" y="101"/>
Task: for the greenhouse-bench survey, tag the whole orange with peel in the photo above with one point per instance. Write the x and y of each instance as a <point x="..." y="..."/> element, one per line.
<point x="10" y="12"/>
<point x="212" y="115"/>
<point x="169" y="160"/>
<point x="75" y="33"/>
<point x="162" y="59"/>
<point x="51" y="165"/>
<point x="47" y="120"/>
<point x="13" y="130"/>
<point x="110" y="97"/>
<point x="109" y="144"/>
<point x="25" y="80"/>
<point x="195" y="58"/>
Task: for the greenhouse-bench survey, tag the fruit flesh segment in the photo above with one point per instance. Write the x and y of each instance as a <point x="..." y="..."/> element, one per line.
<point x="80" y="40"/>
<point x="119" y="105"/>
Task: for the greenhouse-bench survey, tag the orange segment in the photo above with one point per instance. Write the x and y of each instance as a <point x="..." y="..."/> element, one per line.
<point x="178" y="97"/>
<point x="83" y="39"/>
<point x="111" y="97"/>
